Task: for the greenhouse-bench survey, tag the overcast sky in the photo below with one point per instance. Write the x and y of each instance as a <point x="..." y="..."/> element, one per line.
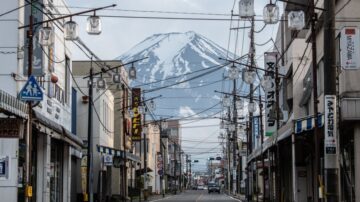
<point x="121" y="34"/>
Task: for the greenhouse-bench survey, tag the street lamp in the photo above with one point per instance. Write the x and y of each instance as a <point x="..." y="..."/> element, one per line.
<point x="246" y="8"/>
<point x="93" y="25"/>
<point x="249" y="76"/>
<point x="233" y="72"/>
<point x="71" y="30"/>
<point x="296" y="20"/>
<point x="226" y="101"/>
<point x="132" y="72"/>
<point x="46" y="36"/>
<point x="252" y="107"/>
<point x="271" y="13"/>
<point x="267" y="82"/>
<point x="239" y="103"/>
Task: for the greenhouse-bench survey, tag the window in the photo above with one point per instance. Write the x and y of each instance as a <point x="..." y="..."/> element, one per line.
<point x="67" y="80"/>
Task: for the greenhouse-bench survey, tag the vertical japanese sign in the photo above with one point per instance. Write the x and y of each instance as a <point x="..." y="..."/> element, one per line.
<point x="136" y="120"/>
<point x="256" y="131"/>
<point x="159" y="164"/>
<point x="330" y="145"/>
<point x="37" y="69"/>
<point x="349" y="46"/>
<point x="270" y="120"/>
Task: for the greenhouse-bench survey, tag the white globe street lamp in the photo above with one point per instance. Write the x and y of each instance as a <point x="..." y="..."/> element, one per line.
<point x="93" y="25"/>
<point x="233" y="72"/>
<point x="46" y="36"/>
<point x="226" y="101"/>
<point x="249" y="76"/>
<point x="271" y="13"/>
<point x="71" y="30"/>
<point x="252" y="107"/>
<point x="296" y="20"/>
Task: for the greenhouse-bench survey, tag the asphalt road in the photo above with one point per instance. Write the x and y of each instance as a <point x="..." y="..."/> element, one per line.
<point x="197" y="195"/>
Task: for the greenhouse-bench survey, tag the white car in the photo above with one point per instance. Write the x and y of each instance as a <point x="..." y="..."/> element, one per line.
<point x="200" y="187"/>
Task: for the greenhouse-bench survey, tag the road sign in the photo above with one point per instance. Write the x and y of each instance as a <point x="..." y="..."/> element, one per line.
<point x="31" y="91"/>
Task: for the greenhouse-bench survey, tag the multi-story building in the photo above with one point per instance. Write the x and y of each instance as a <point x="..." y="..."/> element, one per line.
<point x="289" y="155"/>
<point x="54" y="144"/>
<point x="111" y="128"/>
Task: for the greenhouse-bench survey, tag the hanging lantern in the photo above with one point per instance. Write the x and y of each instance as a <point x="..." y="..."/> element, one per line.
<point x="222" y="124"/>
<point x="267" y="82"/>
<point x="226" y="101"/>
<point x="271" y="14"/>
<point x="252" y="107"/>
<point x="93" y="25"/>
<point x="132" y="72"/>
<point x="239" y="104"/>
<point x="151" y="105"/>
<point x="246" y="8"/>
<point x="249" y="76"/>
<point x="116" y="78"/>
<point x="234" y="72"/>
<point x="71" y="30"/>
<point x="46" y="36"/>
<point x="164" y="124"/>
<point x="100" y="83"/>
<point x="231" y="127"/>
<point x="296" y="20"/>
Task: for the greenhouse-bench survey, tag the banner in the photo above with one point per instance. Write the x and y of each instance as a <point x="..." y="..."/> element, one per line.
<point x="330" y="145"/>
<point x="159" y="164"/>
<point x="136" y="119"/>
<point x="349" y="46"/>
<point x="270" y="100"/>
<point x="37" y="69"/>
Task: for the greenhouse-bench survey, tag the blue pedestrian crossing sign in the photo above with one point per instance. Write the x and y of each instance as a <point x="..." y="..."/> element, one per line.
<point x="31" y="91"/>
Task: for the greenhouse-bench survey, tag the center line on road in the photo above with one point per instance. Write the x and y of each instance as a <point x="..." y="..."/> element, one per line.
<point x="199" y="197"/>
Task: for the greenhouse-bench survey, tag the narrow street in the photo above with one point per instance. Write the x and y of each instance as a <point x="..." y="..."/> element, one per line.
<point x="197" y="195"/>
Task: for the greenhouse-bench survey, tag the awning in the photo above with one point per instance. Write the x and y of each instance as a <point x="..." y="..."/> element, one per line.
<point x="57" y="131"/>
<point x="11" y="105"/>
<point x="307" y="123"/>
<point x="117" y="152"/>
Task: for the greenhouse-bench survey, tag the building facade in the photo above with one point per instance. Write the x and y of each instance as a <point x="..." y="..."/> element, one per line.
<point x="55" y="145"/>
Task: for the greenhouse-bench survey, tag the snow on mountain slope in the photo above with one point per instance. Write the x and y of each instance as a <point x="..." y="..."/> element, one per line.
<point x="180" y="57"/>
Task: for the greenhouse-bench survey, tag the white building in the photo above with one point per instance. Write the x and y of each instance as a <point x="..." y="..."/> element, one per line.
<point x="54" y="144"/>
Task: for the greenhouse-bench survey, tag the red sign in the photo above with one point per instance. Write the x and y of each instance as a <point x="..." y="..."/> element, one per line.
<point x="136" y="119"/>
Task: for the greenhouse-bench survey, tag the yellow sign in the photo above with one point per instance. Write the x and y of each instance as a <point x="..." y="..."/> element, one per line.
<point x="28" y="191"/>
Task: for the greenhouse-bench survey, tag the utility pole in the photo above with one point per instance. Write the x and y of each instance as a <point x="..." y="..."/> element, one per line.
<point x="317" y="135"/>
<point x="90" y="141"/>
<point x="262" y="141"/>
<point x="175" y="164"/>
<point x="145" y="153"/>
<point x="231" y="179"/>
<point x="331" y="152"/>
<point x="28" y="140"/>
<point x="228" y="162"/>
<point x="252" y="64"/>
<point x="235" y="181"/>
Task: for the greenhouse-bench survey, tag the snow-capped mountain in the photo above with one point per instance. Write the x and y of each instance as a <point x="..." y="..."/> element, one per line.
<point x="186" y="58"/>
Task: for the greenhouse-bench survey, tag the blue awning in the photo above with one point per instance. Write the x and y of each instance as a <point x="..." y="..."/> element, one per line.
<point x="308" y="123"/>
<point x="116" y="152"/>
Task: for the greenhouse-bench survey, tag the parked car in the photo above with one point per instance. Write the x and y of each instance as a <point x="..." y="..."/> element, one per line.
<point x="212" y="187"/>
<point x="200" y="187"/>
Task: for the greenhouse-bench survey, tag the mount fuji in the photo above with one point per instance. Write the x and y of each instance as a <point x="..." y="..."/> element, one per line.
<point x="182" y="67"/>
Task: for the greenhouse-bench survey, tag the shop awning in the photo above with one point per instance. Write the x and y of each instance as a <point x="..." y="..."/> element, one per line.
<point x="55" y="130"/>
<point x="307" y="123"/>
<point x="117" y="152"/>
